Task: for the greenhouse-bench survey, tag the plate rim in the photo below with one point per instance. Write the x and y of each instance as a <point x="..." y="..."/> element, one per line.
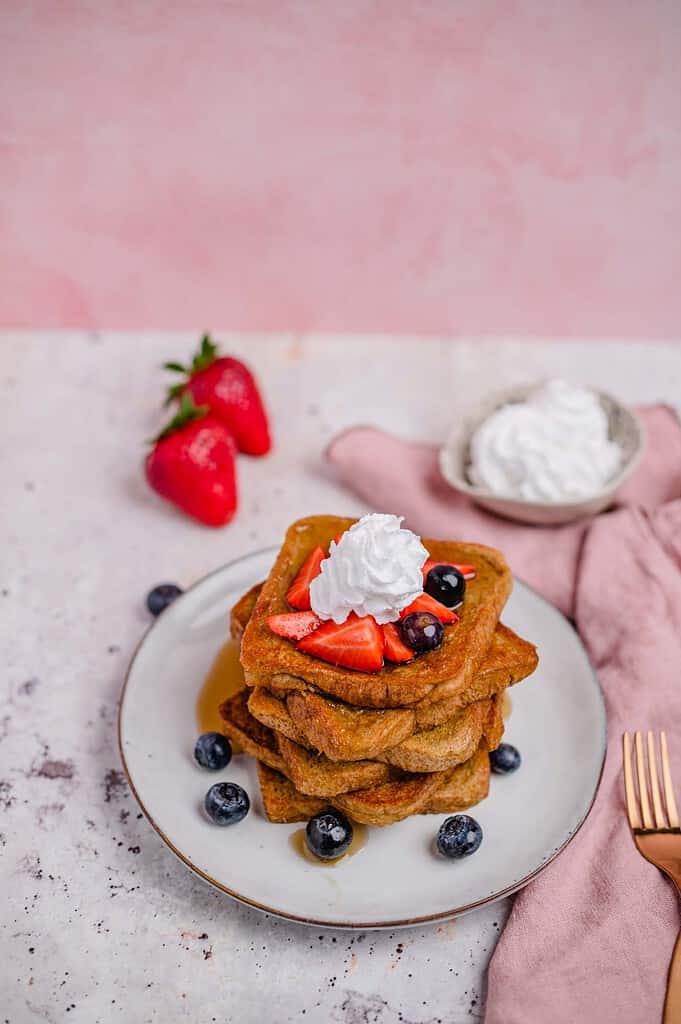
<point x="440" y="916"/>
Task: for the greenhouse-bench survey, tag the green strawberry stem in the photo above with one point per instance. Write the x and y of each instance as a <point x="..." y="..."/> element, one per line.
<point x="206" y="354"/>
<point x="186" y="412"/>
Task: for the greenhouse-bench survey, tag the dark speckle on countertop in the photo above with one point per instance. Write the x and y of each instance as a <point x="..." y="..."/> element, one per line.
<point x="115" y="785"/>
<point x="56" y="770"/>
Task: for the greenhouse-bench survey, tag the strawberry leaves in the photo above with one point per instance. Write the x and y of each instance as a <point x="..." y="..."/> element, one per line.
<point x="187" y="412"/>
<point x="204" y="357"/>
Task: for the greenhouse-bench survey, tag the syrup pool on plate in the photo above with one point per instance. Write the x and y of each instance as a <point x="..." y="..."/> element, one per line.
<point x="506" y="706"/>
<point x="359" y="841"/>
<point x="224" y="679"/>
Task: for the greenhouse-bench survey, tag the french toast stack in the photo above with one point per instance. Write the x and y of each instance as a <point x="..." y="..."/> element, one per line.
<point x="408" y="739"/>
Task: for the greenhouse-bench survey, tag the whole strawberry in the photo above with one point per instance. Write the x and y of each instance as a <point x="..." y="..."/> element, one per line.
<point x="192" y="465"/>
<point x="229" y="390"/>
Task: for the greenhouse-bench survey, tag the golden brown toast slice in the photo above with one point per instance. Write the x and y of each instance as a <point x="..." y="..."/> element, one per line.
<point x="282" y="801"/>
<point x="441" y="673"/>
<point x="433" y="750"/>
<point x="461" y="788"/>
<point x="494" y="726"/>
<point x="273" y="712"/>
<point x="342" y="732"/>
<point x="392" y="801"/>
<point x="316" y="775"/>
<point x="445" y="746"/>
<point x="508" y="660"/>
<point x="253" y="737"/>
<point x="242" y="611"/>
<point x="429" y="750"/>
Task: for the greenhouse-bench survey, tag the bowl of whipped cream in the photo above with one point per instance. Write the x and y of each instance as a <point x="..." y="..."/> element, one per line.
<point x="546" y="453"/>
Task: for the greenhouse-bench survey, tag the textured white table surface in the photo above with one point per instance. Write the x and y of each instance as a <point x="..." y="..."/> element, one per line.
<point x="99" y="922"/>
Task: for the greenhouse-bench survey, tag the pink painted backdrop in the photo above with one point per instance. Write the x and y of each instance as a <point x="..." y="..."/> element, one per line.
<point x="383" y="165"/>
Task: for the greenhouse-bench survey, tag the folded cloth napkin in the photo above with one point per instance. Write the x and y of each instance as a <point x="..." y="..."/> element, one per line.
<point x="591" y="938"/>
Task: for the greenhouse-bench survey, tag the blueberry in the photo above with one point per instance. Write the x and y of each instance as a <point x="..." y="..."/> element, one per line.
<point x="226" y="803"/>
<point x="506" y="758"/>
<point x="213" y="750"/>
<point x="446" y="584"/>
<point x="459" y="836"/>
<point x="328" y="834"/>
<point x="161" y="596"/>
<point x="422" y="631"/>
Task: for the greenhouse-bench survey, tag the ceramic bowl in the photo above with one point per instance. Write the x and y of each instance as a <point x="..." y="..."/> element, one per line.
<point x="624" y="427"/>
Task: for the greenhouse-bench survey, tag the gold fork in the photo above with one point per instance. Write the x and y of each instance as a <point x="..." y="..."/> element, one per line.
<point x="657" y="837"/>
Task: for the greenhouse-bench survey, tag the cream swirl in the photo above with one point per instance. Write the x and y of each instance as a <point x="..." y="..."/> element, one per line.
<point x="375" y="569"/>
<point x="552" y="447"/>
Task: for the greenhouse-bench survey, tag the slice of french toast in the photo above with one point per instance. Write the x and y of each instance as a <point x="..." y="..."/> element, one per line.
<point x="440" y="673"/>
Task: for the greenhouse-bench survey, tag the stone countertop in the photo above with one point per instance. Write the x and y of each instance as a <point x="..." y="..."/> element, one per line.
<point x="99" y="921"/>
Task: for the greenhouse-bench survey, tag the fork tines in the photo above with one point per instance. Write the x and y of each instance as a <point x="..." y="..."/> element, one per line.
<point x="641" y="818"/>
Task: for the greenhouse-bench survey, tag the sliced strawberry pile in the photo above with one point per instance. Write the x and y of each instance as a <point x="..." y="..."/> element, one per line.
<point x="298" y="595"/>
<point x="426" y="603"/>
<point x="293" y="625"/>
<point x="359" y="642"/>
<point x="395" y="648"/>
<point x="467" y="571"/>
<point x="356" y="643"/>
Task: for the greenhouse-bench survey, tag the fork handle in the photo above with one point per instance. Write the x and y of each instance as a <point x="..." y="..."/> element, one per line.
<point x="672" y="1001"/>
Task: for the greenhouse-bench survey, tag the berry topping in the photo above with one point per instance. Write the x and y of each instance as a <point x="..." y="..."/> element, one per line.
<point x="298" y="595"/>
<point x="395" y="648"/>
<point x="229" y="391"/>
<point x="356" y="643"/>
<point x="192" y="465"/>
<point x="213" y="751"/>
<point x="446" y="584"/>
<point x="226" y="803"/>
<point x="467" y="571"/>
<point x="426" y="603"/>
<point x="293" y="625"/>
<point x="459" y="836"/>
<point x="506" y="758"/>
<point x="161" y="596"/>
<point x="328" y="834"/>
<point x="422" y="631"/>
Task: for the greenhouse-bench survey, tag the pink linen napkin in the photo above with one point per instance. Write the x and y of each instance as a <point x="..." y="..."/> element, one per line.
<point x="591" y="938"/>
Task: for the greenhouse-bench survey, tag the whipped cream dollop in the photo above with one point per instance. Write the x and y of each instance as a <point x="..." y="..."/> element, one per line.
<point x="552" y="447"/>
<point x="374" y="569"/>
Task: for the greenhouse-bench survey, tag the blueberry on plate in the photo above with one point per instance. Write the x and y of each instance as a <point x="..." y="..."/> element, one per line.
<point x="213" y="751"/>
<point x="161" y="596"/>
<point x="506" y="758"/>
<point x="226" y="803"/>
<point x="446" y="584"/>
<point x="459" y="836"/>
<point x="422" y="631"/>
<point x="328" y="834"/>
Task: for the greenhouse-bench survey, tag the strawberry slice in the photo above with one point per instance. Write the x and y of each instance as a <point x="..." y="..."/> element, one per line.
<point x="426" y="603"/>
<point x="293" y="625"/>
<point x="467" y="571"/>
<point x="338" y="536"/>
<point x="357" y="643"/>
<point x="298" y="595"/>
<point x="395" y="647"/>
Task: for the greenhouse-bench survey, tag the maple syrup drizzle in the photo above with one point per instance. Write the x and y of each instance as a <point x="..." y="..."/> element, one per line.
<point x="225" y="678"/>
<point x="359" y="841"/>
<point x="506" y="706"/>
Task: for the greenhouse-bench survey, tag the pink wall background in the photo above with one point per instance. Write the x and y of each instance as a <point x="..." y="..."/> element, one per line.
<point x="395" y="165"/>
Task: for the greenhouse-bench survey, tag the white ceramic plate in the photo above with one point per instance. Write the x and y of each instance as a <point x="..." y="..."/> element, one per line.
<point x="557" y="722"/>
